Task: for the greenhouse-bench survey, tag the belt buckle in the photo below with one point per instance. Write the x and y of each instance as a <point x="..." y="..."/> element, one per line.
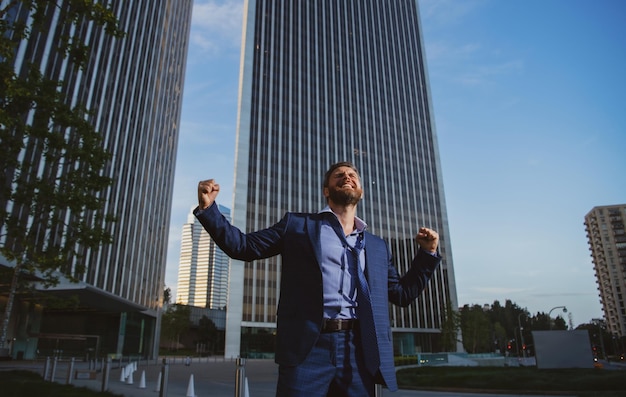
<point x="336" y="325"/>
<point x="331" y="325"/>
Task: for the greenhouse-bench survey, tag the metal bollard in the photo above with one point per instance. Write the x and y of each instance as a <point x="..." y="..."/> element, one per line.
<point x="70" y="370"/>
<point x="240" y="379"/>
<point x="106" y="370"/>
<point x="46" y="368"/>
<point x="378" y="391"/>
<point x="164" y="372"/>
<point x="54" y="369"/>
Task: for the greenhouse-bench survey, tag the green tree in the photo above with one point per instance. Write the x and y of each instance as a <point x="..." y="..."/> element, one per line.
<point x="51" y="209"/>
<point x="512" y="324"/>
<point x="476" y="329"/>
<point x="509" y="317"/>
<point x="174" y="322"/>
<point x="500" y="337"/>
<point x="450" y="328"/>
<point x="167" y="295"/>
<point x="541" y="322"/>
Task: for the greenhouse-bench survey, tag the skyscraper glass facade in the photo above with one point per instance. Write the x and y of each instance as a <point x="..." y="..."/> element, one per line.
<point x="203" y="267"/>
<point x="133" y="88"/>
<point x="328" y="81"/>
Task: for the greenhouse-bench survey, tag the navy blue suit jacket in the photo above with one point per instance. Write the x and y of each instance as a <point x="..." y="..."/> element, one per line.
<point x="300" y="308"/>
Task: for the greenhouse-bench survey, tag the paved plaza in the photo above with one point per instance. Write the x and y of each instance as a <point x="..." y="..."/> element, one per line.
<point x="212" y="377"/>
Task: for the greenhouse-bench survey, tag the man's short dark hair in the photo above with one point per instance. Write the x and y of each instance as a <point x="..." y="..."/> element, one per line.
<point x="335" y="166"/>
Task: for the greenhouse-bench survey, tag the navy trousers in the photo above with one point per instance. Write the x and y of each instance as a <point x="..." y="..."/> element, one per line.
<point x="333" y="368"/>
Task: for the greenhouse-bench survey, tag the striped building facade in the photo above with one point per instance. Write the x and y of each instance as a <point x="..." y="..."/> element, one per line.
<point x="133" y="87"/>
<point x="203" y="267"/>
<point x="327" y="81"/>
<point x="606" y="236"/>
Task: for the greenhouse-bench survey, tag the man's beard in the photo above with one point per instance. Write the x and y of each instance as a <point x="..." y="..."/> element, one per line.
<point x="345" y="196"/>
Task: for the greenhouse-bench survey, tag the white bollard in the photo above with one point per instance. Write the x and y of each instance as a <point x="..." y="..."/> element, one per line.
<point x="129" y="380"/>
<point x="158" y="385"/>
<point x="142" y="381"/>
<point x="246" y="389"/>
<point x="190" y="388"/>
<point x="122" y="374"/>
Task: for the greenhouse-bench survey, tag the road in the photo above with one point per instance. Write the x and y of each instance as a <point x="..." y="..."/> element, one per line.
<point x="204" y="377"/>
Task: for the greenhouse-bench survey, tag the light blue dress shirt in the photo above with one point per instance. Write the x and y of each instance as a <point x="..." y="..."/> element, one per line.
<point x="339" y="284"/>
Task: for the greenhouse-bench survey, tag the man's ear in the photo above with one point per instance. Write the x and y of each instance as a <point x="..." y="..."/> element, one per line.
<point x="326" y="193"/>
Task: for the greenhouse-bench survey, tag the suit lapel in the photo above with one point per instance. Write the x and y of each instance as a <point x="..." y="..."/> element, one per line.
<point x="314" y="228"/>
<point x="372" y="257"/>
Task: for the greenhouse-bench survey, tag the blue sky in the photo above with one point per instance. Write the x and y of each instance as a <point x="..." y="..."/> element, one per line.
<point x="530" y="108"/>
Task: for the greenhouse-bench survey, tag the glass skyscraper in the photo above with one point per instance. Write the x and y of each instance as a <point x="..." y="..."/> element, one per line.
<point x="327" y="81"/>
<point x="203" y="267"/>
<point x="133" y="88"/>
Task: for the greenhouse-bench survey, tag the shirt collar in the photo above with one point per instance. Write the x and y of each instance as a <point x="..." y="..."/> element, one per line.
<point x="359" y="223"/>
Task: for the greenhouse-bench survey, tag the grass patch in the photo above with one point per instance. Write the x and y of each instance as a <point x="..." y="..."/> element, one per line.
<point x="581" y="382"/>
<point x="20" y="383"/>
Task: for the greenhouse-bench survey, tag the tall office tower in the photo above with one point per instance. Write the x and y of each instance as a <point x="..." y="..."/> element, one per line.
<point x="321" y="82"/>
<point x="203" y="267"/>
<point x="133" y="88"/>
<point x="607" y="243"/>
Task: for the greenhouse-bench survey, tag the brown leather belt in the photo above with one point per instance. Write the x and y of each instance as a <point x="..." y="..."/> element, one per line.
<point x="338" y="324"/>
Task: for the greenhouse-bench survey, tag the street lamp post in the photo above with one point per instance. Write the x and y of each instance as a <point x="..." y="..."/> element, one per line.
<point x="521" y="334"/>
<point x="554" y="308"/>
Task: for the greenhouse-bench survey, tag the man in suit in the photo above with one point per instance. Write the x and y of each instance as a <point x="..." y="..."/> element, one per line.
<point x="333" y="333"/>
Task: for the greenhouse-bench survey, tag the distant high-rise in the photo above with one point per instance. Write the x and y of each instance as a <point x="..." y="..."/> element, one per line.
<point x="203" y="267"/>
<point x="321" y="82"/>
<point x="607" y="242"/>
<point x="133" y="88"/>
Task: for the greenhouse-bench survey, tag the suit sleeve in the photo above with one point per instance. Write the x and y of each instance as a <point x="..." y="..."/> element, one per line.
<point x="236" y="244"/>
<point x="404" y="290"/>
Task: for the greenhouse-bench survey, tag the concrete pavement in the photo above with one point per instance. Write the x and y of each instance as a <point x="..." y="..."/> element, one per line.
<point x="213" y="377"/>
